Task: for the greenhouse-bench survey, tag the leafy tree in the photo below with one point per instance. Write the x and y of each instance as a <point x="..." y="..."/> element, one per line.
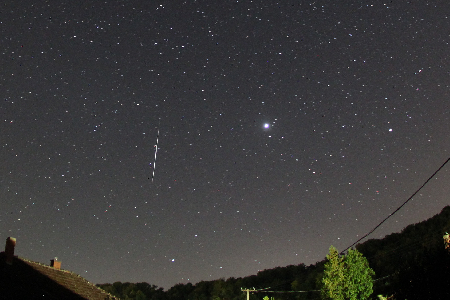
<point x="180" y="291"/>
<point x="411" y="265"/>
<point x="202" y="290"/>
<point x="348" y="277"/>
<point x="140" y="295"/>
<point x="358" y="275"/>
<point x="333" y="277"/>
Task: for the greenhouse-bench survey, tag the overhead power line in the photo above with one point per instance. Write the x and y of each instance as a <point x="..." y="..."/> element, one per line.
<point x="391" y="214"/>
<point x="266" y="290"/>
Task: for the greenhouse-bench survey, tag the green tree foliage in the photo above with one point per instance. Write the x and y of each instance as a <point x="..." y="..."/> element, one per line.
<point x="333" y="278"/>
<point x="359" y="276"/>
<point x="134" y="291"/>
<point x="179" y="291"/>
<point x="348" y="277"/>
<point x="410" y="265"/>
<point x="140" y="295"/>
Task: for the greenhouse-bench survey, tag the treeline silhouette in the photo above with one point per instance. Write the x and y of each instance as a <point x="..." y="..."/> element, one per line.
<point x="409" y="265"/>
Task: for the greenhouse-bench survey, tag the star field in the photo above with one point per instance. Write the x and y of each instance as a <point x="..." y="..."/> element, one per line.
<point x="284" y="128"/>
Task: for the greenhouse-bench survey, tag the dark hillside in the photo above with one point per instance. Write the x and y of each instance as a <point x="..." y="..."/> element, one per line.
<point x="412" y="264"/>
<point x="414" y="261"/>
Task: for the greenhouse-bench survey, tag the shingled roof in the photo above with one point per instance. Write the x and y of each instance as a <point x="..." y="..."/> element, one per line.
<point x="25" y="279"/>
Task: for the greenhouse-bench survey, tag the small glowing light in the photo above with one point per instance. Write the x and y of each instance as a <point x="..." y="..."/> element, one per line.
<point x="266" y="125"/>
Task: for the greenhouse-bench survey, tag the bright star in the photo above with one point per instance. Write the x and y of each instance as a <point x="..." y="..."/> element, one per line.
<point x="266" y="125"/>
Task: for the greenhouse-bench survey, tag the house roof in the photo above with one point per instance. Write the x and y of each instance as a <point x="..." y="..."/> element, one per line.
<point x="25" y="279"/>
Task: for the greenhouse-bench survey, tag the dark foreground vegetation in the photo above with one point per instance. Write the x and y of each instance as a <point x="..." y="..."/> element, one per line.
<point x="409" y="265"/>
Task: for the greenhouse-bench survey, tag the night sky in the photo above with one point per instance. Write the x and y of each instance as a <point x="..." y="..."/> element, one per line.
<point x="284" y="127"/>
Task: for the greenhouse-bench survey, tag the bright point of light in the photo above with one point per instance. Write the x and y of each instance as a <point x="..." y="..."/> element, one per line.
<point x="266" y="125"/>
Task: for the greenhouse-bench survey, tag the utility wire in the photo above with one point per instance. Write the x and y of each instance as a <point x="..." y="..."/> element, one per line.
<point x="265" y="290"/>
<point x="288" y="292"/>
<point x="391" y="214"/>
<point x="385" y="254"/>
